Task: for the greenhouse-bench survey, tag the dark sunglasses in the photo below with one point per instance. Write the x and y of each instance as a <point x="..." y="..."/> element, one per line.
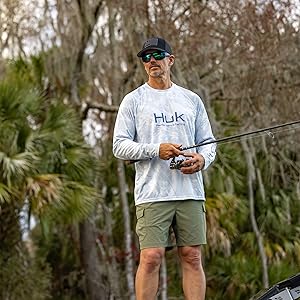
<point x="156" y="55"/>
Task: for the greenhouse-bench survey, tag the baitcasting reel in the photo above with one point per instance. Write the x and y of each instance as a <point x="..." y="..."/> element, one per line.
<point x="176" y="164"/>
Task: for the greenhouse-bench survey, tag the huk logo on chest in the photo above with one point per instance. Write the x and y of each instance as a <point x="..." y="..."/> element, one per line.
<point x="163" y="118"/>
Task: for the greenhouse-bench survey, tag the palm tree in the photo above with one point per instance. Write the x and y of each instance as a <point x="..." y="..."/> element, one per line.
<point x="44" y="165"/>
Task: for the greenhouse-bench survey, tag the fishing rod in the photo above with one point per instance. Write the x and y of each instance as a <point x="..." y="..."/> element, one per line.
<point x="177" y="164"/>
<point x="237" y="136"/>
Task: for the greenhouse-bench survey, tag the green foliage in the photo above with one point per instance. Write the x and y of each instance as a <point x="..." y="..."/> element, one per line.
<point x="46" y="165"/>
<point x="24" y="277"/>
<point x="235" y="277"/>
<point x="226" y="216"/>
<point x="54" y="244"/>
<point x="227" y="173"/>
<point x="43" y="154"/>
<point x="29" y="71"/>
<point x="78" y="200"/>
<point x="174" y="274"/>
<point x="237" y="273"/>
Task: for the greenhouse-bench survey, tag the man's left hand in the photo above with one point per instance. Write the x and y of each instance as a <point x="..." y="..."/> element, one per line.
<point x="192" y="165"/>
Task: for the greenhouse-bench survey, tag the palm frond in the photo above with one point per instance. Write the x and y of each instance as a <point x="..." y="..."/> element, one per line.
<point x="17" y="102"/>
<point x="78" y="163"/>
<point x="6" y="193"/>
<point x="42" y="191"/>
<point x="222" y="229"/>
<point x="77" y="201"/>
<point x="17" y="166"/>
<point x="62" y="121"/>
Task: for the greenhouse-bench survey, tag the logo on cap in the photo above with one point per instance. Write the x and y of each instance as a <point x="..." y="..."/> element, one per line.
<point x="151" y="42"/>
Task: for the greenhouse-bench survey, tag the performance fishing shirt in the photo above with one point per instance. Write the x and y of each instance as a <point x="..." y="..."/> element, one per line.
<point x="148" y="117"/>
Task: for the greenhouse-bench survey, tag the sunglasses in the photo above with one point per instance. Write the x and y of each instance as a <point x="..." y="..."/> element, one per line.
<point x="156" y="55"/>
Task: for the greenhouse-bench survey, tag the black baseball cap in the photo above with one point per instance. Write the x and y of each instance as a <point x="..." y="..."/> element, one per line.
<point x="155" y="43"/>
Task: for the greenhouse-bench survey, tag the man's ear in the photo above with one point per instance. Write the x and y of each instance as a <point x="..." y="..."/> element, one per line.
<point x="171" y="60"/>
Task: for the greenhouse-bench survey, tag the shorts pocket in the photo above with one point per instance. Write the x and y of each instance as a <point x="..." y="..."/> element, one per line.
<point x="203" y="207"/>
<point x="140" y="223"/>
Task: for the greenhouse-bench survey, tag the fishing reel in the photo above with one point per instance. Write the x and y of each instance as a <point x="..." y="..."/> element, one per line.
<point x="176" y="164"/>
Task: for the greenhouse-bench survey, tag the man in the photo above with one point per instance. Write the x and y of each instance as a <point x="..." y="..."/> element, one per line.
<point x="152" y="124"/>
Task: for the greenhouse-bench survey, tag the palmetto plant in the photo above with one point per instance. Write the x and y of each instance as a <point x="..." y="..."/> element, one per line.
<point x="233" y="266"/>
<point x="44" y="163"/>
<point x="43" y="157"/>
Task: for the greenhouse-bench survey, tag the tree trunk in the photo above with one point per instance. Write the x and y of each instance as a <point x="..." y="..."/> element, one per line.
<point x="251" y="177"/>
<point x="111" y="263"/>
<point x="90" y="260"/>
<point x="163" y="280"/>
<point x="127" y="231"/>
<point x="91" y="264"/>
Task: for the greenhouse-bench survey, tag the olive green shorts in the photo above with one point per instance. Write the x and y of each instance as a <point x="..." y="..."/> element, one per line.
<point x="170" y="223"/>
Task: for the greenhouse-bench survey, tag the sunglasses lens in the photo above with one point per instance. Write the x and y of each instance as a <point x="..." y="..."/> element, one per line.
<point x="147" y="57"/>
<point x="157" y="56"/>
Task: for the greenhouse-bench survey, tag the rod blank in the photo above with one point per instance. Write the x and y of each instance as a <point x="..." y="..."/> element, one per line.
<point x="237" y="136"/>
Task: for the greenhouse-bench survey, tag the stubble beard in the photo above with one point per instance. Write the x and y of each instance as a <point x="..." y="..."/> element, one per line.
<point x="156" y="73"/>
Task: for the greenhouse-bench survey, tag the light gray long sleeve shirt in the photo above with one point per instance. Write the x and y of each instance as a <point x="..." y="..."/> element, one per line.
<point x="148" y="117"/>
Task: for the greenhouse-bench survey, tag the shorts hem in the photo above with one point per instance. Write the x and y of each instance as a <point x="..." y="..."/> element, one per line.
<point x="192" y="244"/>
<point x="169" y="199"/>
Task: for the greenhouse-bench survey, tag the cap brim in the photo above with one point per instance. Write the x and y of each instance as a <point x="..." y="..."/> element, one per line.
<point x="140" y="54"/>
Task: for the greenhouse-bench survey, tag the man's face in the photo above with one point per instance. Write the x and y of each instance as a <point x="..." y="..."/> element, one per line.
<point x="158" y="67"/>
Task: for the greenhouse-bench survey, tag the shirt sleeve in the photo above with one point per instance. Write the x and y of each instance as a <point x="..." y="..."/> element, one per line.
<point x="124" y="144"/>
<point x="203" y="133"/>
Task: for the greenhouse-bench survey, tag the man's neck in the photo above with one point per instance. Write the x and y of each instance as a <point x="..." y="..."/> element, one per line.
<point x="160" y="83"/>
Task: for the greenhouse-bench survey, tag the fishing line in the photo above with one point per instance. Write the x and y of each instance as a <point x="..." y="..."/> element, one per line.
<point x="238" y="136"/>
<point x="234" y="138"/>
<point x="270" y="134"/>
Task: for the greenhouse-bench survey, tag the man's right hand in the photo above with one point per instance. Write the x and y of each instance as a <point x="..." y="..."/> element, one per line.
<point x="169" y="150"/>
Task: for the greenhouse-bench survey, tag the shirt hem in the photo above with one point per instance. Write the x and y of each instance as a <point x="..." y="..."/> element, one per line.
<point x="169" y="199"/>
